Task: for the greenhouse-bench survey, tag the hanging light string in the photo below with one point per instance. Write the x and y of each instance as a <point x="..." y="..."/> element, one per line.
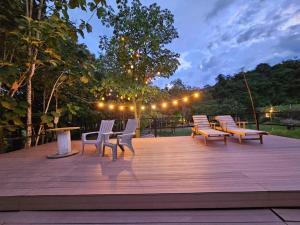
<point x="163" y="105"/>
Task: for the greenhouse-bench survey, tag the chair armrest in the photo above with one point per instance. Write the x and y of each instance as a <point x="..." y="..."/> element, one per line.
<point x="129" y="135"/>
<point x="105" y="136"/>
<point x="118" y="133"/>
<point x="84" y="135"/>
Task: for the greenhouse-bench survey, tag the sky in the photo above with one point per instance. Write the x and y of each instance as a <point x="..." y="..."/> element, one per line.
<point x="222" y="36"/>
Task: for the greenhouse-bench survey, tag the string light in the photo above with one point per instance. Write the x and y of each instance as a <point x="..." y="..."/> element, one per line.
<point x="102" y="98"/>
<point x="100" y="104"/>
<point x="164" y="105"/>
<point x="131" y="66"/>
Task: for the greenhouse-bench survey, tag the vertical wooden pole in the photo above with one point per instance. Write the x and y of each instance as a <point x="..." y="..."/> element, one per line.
<point x="252" y="102"/>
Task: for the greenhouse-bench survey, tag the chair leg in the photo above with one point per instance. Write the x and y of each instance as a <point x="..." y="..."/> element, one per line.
<point x="240" y="139"/>
<point x="103" y="150"/>
<point x="114" y="152"/>
<point x="131" y="148"/>
<point x="261" y="139"/>
<point x="82" y="150"/>
<point x="121" y="147"/>
<point x="225" y="140"/>
<point x="205" y="140"/>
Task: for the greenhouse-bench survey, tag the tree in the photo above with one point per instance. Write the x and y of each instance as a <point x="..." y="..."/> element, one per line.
<point x="136" y="53"/>
<point x="32" y="31"/>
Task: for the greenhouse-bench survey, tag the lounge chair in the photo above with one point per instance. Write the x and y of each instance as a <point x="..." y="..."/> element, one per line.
<point x="102" y="135"/>
<point x="202" y="127"/>
<point x="228" y="125"/>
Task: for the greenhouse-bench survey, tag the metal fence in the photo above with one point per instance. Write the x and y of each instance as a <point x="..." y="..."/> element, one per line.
<point x="154" y="126"/>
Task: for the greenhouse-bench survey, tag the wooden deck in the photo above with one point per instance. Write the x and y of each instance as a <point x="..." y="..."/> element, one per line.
<point x="165" y="173"/>
<point x="155" y="217"/>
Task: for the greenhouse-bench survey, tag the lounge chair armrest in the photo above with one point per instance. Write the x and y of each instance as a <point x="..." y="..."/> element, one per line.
<point x="242" y="124"/>
<point x="223" y="125"/>
<point x="213" y="125"/>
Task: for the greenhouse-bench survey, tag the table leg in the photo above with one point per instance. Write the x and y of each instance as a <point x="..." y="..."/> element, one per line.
<point x="64" y="142"/>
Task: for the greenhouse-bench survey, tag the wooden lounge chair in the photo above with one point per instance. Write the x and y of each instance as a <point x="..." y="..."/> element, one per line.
<point x="202" y="127"/>
<point x="102" y="135"/>
<point x="228" y="125"/>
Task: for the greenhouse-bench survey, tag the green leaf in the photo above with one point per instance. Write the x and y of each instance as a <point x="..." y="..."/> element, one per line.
<point x="46" y="118"/>
<point x="80" y="32"/>
<point x="84" y="79"/>
<point x="17" y="121"/>
<point x="7" y="105"/>
<point x="89" y="28"/>
<point x="73" y="4"/>
<point x="100" y="12"/>
<point x="50" y="125"/>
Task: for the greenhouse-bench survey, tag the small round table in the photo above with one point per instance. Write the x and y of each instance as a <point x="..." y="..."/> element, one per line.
<point x="63" y="142"/>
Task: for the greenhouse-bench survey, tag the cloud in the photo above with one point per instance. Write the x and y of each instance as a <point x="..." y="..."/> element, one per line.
<point x="184" y="63"/>
<point x="221" y="36"/>
<point x="218" y="6"/>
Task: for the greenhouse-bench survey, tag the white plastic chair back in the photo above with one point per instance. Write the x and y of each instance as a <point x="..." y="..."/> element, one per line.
<point x="105" y="127"/>
<point x="130" y="126"/>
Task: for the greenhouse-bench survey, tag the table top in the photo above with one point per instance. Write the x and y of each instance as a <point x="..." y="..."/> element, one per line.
<point x="62" y="129"/>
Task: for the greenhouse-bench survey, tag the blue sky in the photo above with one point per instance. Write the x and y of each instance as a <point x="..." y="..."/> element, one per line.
<point x="222" y="36"/>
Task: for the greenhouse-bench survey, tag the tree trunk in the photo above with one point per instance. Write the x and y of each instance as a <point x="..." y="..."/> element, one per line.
<point x="252" y="102"/>
<point x="29" y="114"/>
<point x="137" y="116"/>
<point x="54" y="89"/>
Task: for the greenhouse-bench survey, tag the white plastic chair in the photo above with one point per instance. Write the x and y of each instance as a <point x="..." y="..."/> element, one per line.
<point x="125" y="137"/>
<point x="102" y="135"/>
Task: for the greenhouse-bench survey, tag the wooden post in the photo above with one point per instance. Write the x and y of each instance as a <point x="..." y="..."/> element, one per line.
<point x="155" y="127"/>
<point x="251" y="99"/>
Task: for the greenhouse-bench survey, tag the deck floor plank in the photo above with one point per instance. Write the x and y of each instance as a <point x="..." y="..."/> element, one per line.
<point x="133" y="217"/>
<point x="174" y="166"/>
<point x="290" y="215"/>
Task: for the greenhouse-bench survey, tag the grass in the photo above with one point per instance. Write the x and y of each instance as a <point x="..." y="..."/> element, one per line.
<point x="178" y="132"/>
<point x="279" y="130"/>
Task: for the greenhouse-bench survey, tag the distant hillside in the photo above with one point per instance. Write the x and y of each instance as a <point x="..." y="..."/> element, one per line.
<point x="270" y="85"/>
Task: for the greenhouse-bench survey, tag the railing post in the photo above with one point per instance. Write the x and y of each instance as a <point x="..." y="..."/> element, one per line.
<point x="155" y="127"/>
<point x="257" y="120"/>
